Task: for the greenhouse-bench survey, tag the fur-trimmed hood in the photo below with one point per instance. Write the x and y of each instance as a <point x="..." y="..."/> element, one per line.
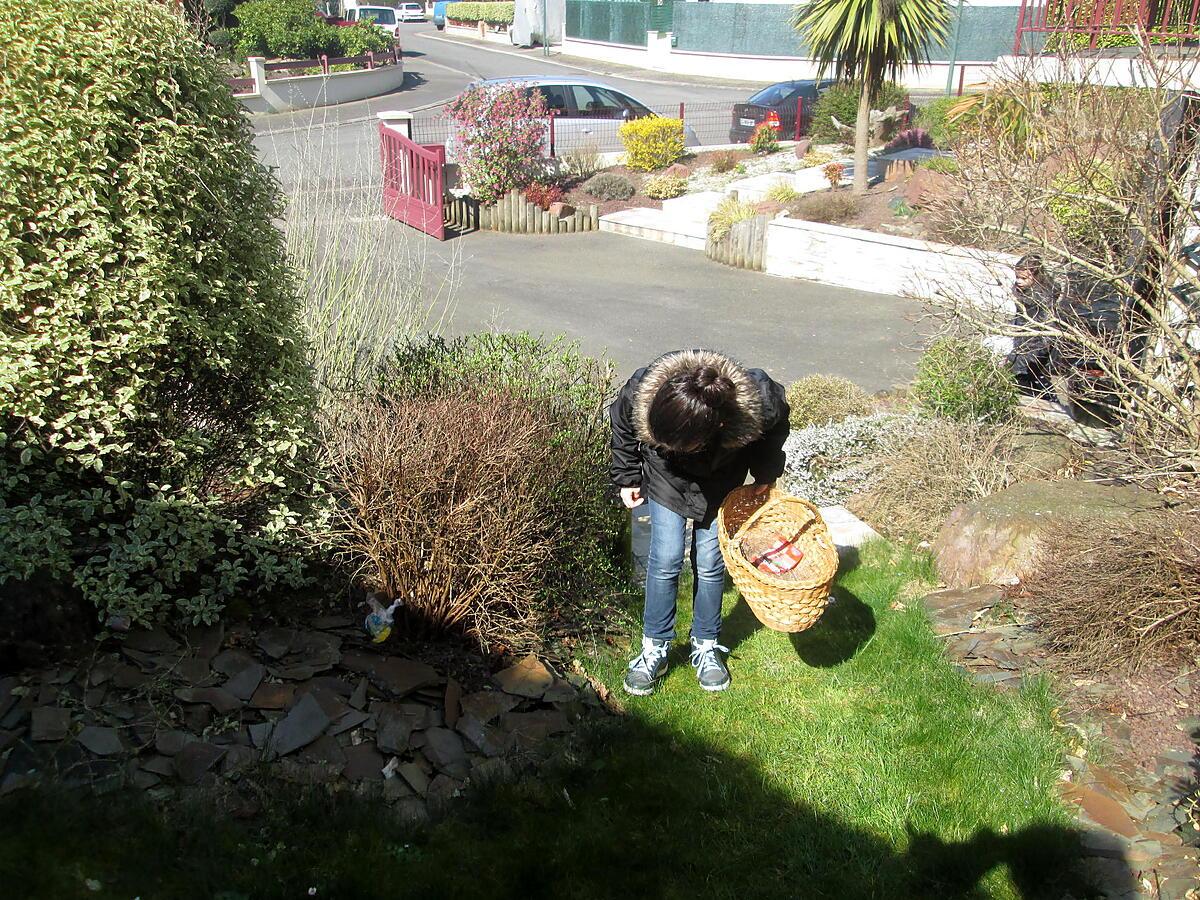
<point x="744" y="424"/>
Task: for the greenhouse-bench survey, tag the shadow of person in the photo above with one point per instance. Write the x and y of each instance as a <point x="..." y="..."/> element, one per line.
<point x="955" y="869"/>
<point x="739" y="624"/>
<point x="843" y="629"/>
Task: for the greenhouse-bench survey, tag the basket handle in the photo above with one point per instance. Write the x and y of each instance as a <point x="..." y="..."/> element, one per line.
<point x="754" y="516"/>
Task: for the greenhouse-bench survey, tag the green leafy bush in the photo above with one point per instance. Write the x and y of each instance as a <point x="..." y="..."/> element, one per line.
<point x="609" y="186"/>
<point x="821" y="399"/>
<point x="841" y="102"/>
<point x="964" y="381"/>
<point x="664" y="187"/>
<point x="505" y="521"/>
<point x="933" y="118"/>
<point x="361" y="38"/>
<point x="154" y="426"/>
<point x="728" y="213"/>
<point x="284" y="29"/>
<point x="491" y="13"/>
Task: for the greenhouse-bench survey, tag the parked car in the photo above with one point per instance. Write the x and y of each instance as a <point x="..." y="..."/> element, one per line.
<point x="587" y="113"/>
<point x="383" y="16"/>
<point x="776" y="105"/>
<point x="439" y="14"/>
<point x="412" y="12"/>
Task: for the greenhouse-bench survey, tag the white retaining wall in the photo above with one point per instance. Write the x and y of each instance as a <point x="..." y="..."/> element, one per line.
<point x="660" y="56"/>
<point x="883" y="264"/>
<point x="306" y="91"/>
<point x="485" y="34"/>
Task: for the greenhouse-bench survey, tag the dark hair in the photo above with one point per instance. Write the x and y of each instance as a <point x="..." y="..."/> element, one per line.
<point x="687" y="412"/>
<point x="1031" y="262"/>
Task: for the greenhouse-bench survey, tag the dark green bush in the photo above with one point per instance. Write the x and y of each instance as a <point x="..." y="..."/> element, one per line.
<point x="964" y="381"/>
<point x="609" y="186"/>
<point x="841" y="102"/>
<point x="283" y="29"/>
<point x="932" y="117"/>
<point x="156" y="394"/>
<point x="360" y="38"/>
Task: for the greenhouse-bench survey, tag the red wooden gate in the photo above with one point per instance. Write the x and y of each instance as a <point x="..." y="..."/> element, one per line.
<point x="413" y="183"/>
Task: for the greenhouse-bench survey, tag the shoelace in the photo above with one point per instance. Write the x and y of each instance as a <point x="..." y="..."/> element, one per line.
<point x="649" y="659"/>
<point x="704" y="655"/>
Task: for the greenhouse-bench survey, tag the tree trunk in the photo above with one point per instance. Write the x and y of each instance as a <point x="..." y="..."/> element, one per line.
<point x="862" y="137"/>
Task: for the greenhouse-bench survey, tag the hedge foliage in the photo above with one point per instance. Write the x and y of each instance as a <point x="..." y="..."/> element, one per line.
<point x="155" y="390"/>
<point x="491" y="13"/>
<point x="288" y="29"/>
<point x="841" y="102"/>
<point x="652" y="142"/>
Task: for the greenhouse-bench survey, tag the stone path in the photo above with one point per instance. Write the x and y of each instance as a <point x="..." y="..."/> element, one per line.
<point x="166" y="711"/>
<point x="1131" y="820"/>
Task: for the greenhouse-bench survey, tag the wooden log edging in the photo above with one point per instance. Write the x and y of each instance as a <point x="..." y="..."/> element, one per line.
<point x="513" y="213"/>
<point x="745" y="247"/>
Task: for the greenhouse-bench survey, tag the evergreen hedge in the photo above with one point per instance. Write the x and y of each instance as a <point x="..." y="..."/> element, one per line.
<point x="154" y="393"/>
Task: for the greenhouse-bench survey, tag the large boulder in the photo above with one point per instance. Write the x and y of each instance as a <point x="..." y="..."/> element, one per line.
<point x="995" y="540"/>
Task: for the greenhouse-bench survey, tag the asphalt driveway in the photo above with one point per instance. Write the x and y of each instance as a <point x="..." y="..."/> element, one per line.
<point x="633" y="299"/>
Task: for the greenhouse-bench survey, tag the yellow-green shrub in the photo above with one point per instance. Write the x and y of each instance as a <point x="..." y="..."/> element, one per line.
<point x="493" y="13"/>
<point x="653" y="142"/>
<point x="821" y="399"/>
<point x="664" y="186"/>
<point x="156" y="397"/>
<point x="728" y="213"/>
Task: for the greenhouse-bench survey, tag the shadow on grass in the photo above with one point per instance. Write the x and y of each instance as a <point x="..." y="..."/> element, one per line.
<point x="633" y="811"/>
<point x="843" y="629"/>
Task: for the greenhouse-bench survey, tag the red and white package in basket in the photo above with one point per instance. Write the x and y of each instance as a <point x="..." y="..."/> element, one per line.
<point x="779" y="557"/>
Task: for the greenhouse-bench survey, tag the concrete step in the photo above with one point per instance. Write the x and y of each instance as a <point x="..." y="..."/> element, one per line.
<point x="697" y="206"/>
<point x="657" y="225"/>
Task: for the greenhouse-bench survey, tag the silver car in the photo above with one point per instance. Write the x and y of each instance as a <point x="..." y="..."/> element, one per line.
<point x="586" y="113"/>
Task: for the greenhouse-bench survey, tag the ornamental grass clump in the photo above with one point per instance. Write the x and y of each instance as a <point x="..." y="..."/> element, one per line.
<point x="499" y="133"/>
<point x="728" y="213"/>
<point x="652" y="142"/>
<point x="154" y="432"/>
<point x="664" y="186"/>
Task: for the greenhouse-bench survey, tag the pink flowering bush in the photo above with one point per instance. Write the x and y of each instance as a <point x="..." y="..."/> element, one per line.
<point x="499" y="134"/>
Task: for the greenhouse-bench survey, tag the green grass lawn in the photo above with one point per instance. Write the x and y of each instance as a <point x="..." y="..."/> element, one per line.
<point x="852" y="760"/>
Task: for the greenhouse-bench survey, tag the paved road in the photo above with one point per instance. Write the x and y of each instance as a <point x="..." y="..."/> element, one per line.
<point x="634" y="299"/>
<point x="627" y="298"/>
<point x="341" y="141"/>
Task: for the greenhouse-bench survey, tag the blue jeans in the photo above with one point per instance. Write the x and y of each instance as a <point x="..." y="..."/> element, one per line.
<point x="667" y="531"/>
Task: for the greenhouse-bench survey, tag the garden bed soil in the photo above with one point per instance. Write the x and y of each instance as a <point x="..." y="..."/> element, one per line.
<point x="580" y="199"/>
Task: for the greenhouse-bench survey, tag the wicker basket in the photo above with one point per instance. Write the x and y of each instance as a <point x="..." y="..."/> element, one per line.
<point x="785" y="603"/>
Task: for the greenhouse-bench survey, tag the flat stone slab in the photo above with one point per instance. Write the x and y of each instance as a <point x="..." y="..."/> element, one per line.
<point x="955" y="609"/>
<point x="100" y="740"/>
<point x="194" y="760"/>
<point x="393" y="729"/>
<point x="534" y="727"/>
<point x="219" y="699"/>
<point x="303" y="724"/>
<point x="847" y="529"/>
<point x="528" y="678"/>
<point x="49" y="723"/>
<point x="393" y="673"/>
<point x="364" y="763"/>
<point x="444" y="749"/>
<point x="243" y="684"/>
<point x="273" y="696"/>
<point x="415" y="776"/>
<point x="487" y="739"/>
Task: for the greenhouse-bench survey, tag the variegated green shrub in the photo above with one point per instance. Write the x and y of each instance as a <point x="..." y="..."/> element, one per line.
<point x="154" y="395"/>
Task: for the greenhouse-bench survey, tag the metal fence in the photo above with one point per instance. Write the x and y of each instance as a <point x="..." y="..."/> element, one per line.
<point x="1092" y="24"/>
<point x="611" y="21"/>
<point x="707" y="123"/>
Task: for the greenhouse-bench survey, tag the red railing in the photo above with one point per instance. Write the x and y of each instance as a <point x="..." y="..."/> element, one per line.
<point x="1092" y="24"/>
<point x="413" y="183"/>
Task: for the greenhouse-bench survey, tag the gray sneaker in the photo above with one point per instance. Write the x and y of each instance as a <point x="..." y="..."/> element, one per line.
<point x="710" y="668"/>
<point x="647" y="669"/>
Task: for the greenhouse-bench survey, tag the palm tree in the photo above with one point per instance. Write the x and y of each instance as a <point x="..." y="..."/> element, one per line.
<point x="870" y="41"/>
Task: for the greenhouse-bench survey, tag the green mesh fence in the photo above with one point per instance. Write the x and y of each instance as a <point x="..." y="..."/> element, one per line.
<point x="619" y="22"/>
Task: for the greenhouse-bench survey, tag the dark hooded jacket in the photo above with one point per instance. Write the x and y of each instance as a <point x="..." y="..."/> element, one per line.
<point x="694" y="484"/>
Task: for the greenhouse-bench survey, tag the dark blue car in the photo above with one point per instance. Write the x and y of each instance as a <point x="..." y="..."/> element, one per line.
<point x="777" y="105"/>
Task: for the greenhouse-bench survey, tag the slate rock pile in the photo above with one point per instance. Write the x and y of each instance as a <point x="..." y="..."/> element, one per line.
<point x="164" y="712"/>
<point x="1132" y="821"/>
